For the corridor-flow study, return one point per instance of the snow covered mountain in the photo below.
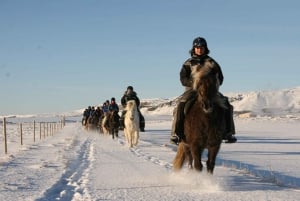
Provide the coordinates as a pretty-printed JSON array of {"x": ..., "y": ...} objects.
[
  {"x": 284, "y": 102},
  {"x": 278, "y": 102},
  {"x": 261, "y": 103}
]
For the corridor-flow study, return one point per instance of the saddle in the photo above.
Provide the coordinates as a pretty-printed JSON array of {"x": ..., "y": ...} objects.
[{"x": 190, "y": 97}]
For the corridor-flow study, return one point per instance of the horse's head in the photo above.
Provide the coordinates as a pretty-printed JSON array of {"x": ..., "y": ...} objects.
[{"x": 206, "y": 83}]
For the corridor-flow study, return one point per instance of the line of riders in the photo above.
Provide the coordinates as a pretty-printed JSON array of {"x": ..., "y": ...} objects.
[
  {"x": 199, "y": 54},
  {"x": 95, "y": 117}
]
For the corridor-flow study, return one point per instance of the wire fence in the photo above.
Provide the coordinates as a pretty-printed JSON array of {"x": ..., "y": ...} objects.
[{"x": 29, "y": 131}]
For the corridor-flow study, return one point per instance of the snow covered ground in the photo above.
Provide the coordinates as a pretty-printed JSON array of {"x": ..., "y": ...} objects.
[
  {"x": 78, "y": 165},
  {"x": 74, "y": 164}
]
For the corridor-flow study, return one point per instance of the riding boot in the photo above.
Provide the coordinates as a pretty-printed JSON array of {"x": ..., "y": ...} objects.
[
  {"x": 142, "y": 122},
  {"x": 178, "y": 135},
  {"x": 229, "y": 123},
  {"x": 142, "y": 126}
]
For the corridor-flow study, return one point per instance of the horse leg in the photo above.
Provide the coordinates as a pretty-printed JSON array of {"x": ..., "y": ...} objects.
[
  {"x": 131, "y": 138},
  {"x": 126, "y": 135},
  {"x": 111, "y": 131},
  {"x": 196, "y": 153},
  {"x": 117, "y": 132},
  {"x": 190, "y": 158},
  {"x": 212, "y": 155},
  {"x": 136, "y": 137}
]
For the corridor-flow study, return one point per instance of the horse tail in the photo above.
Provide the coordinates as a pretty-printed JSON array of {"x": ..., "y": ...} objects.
[{"x": 180, "y": 157}]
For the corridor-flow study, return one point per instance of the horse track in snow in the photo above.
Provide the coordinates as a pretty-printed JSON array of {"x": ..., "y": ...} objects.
[{"x": 71, "y": 182}]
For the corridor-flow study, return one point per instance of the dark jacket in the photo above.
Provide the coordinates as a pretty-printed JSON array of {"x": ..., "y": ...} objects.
[
  {"x": 186, "y": 70},
  {"x": 130, "y": 96},
  {"x": 114, "y": 107}
]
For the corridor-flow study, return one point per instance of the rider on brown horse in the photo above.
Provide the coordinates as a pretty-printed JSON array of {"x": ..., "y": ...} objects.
[
  {"x": 113, "y": 105},
  {"x": 199, "y": 53}
]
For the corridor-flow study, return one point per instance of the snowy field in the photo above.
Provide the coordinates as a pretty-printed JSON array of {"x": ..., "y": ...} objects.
[{"x": 74, "y": 164}]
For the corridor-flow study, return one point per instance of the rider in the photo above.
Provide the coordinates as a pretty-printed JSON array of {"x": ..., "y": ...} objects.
[
  {"x": 199, "y": 53},
  {"x": 105, "y": 110},
  {"x": 92, "y": 110},
  {"x": 113, "y": 105},
  {"x": 86, "y": 115},
  {"x": 98, "y": 112},
  {"x": 130, "y": 94},
  {"x": 105, "y": 107}
]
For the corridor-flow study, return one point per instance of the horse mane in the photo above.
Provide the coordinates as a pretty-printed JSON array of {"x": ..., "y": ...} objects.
[
  {"x": 130, "y": 104},
  {"x": 201, "y": 72}
]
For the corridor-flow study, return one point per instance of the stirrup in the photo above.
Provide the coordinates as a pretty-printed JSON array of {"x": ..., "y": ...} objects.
[
  {"x": 175, "y": 139},
  {"x": 231, "y": 139}
]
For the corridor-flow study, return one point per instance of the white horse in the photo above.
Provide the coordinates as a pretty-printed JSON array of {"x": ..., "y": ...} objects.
[
  {"x": 132, "y": 123},
  {"x": 104, "y": 125}
]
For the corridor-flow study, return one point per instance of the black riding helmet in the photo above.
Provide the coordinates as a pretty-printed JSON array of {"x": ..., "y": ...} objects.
[
  {"x": 129, "y": 88},
  {"x": 199, "y": 42}
]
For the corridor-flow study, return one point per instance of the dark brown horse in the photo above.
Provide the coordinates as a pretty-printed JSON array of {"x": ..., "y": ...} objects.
[
  {"x": 203, "y": 124},
  {"x": 114, "y": 123},
  {"x": 91, "y": 123}
]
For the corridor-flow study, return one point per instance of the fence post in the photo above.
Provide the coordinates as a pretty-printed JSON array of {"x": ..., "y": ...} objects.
[
  {"x": 51, "y": 129},
  {"x": 21, "y": 132},
  {"x": 44, "y": 130},
  {"x": 40, "y": 130},
  {"x": 33, "y": 130},
  {"x": 63, "y": 121},
  {"x": 5, "y": 137},
  {"x": 47, "y": 125}
]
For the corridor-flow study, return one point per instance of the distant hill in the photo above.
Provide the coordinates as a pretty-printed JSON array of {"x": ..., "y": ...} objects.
[
  {"x": 276, "y": 102},
  {"x": 261, "y": 103},
  {"x": 264, "y": 103}
]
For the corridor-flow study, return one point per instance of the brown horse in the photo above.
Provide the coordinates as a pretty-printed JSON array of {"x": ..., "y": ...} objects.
[
  {"x": 91, "y": 123},
  {"x": 203, "y": 124},
  {"x": 114, "y": 123}
]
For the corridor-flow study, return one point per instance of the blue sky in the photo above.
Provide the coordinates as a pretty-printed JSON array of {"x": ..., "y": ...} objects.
[{"x": 63, "y": 55}]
